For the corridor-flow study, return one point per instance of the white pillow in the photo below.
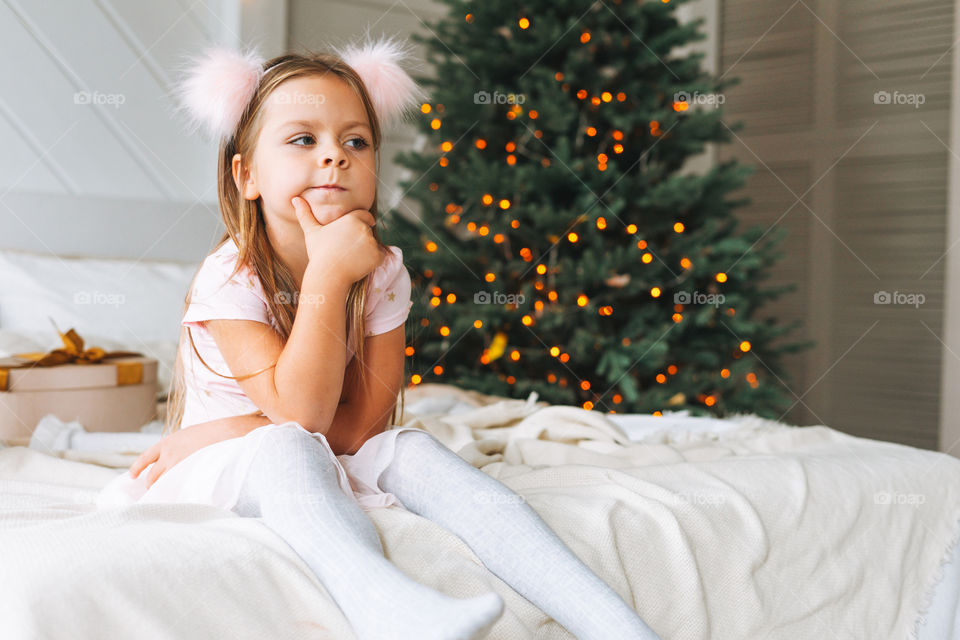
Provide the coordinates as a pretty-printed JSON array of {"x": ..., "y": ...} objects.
[
  {"x": 112, "y": 303},
  {"x": 129, "y": 301}
]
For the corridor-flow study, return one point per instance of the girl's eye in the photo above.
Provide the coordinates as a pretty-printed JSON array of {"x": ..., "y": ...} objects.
[{"x": 362, "y": 145}]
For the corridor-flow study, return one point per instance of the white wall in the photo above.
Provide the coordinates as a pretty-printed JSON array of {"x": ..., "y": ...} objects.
[
  {"x": 861, "y": 185},
  {"x": 949, "y": 440},
  {"x": 94, "y": 160}
]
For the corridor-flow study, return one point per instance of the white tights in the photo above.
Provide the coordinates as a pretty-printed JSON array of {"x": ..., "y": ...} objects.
[{"x": 292, "y": 484}]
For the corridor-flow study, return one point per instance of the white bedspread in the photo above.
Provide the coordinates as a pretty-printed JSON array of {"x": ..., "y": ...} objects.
[{"x": 760, "y": 531}]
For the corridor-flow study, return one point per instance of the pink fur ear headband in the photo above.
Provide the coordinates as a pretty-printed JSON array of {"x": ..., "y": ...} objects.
[{"x": 220, "y": 84}]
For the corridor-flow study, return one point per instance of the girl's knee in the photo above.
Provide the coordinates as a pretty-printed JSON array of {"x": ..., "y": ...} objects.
[
  {"x": 422, "y": 444},
  {"x": 291, "y": 461},
  {"x": 418, "y": 438},
  {"x": 287, "y": 433},
  {"x": 288, "y": 439}
]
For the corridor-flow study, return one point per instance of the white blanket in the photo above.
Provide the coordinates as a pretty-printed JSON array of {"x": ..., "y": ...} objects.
[{"x": 762, "y": 531}]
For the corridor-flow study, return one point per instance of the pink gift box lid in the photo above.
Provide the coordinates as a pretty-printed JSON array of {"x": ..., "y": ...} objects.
[{"x": 107, "y": 373}]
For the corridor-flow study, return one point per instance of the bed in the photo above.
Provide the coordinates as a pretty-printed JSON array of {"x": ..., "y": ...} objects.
[{"x": 719, "y": 529}]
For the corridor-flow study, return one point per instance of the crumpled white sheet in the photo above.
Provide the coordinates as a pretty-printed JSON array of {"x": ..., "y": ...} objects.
[{"x": 763, "y": 531}]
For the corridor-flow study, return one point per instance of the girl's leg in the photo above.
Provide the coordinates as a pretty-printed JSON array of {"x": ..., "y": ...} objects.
[
  {"x": 292, "y": 484},
  {"x": 509, "y": 537}
]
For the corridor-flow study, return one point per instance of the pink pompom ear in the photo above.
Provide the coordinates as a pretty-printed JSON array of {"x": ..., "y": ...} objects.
[
  {"x": 217, "y": 88},
  {"x": 392, "y": 90}
]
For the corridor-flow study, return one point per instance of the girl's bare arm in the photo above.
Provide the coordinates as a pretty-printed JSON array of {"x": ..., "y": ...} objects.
[
  {"x": 309, "y": 372},
  {"x": 307, "y": 380},
  {"x": 242, "y": 425},
  {"x": 173, "y": 448}
]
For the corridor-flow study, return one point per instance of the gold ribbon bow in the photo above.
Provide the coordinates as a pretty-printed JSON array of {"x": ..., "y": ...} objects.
[{"x": 73, "y": 352}]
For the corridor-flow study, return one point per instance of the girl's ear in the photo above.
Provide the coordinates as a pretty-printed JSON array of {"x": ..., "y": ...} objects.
[{"x": 242, "y": 177}]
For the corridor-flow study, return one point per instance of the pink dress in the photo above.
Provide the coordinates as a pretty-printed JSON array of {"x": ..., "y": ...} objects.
[{"x": 214, "y": 474}]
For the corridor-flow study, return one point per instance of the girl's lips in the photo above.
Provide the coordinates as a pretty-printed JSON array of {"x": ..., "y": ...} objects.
[{"x": 323, "y": 194}]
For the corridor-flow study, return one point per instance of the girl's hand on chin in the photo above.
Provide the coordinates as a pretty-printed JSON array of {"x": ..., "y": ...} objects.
[
  {"x": 346, "y": 245},
  {"x": 325, "y": 208},
  {"x": 324, "y": 213}
]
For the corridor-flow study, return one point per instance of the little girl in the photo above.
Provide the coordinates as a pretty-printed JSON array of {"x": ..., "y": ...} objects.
[{"x": 307, "y": 307}]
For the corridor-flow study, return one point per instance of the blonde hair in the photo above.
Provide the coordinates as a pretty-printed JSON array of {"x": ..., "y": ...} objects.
[{"x": 245, "y": 225}]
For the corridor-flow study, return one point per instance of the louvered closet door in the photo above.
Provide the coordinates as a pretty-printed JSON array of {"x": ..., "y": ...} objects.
[{"x": 861, "y": 186}]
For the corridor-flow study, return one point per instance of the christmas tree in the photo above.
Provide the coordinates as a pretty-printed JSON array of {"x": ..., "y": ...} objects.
[{"x": 560, "y": 248}]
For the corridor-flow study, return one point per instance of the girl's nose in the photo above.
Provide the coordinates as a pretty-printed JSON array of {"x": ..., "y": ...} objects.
[{"x": 333, "y": 157}]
